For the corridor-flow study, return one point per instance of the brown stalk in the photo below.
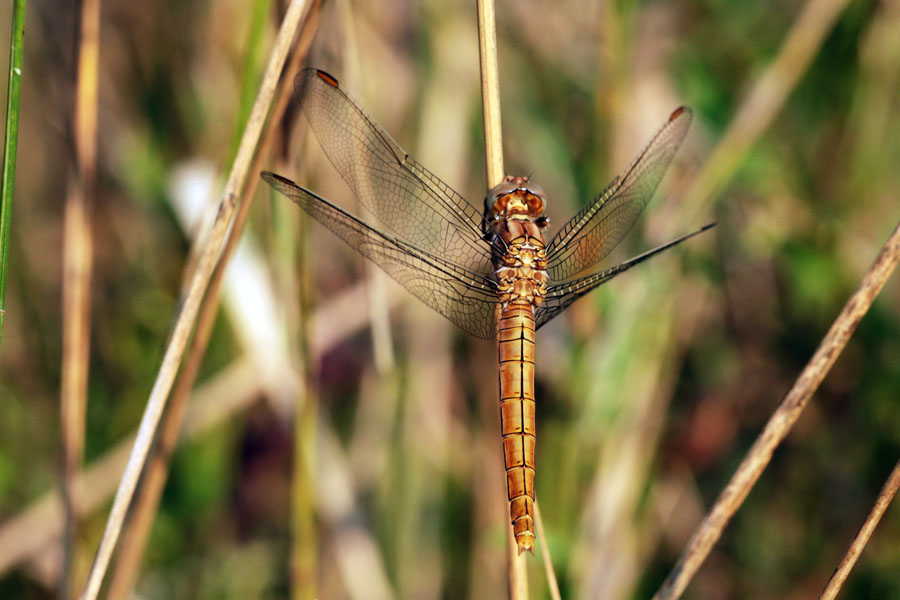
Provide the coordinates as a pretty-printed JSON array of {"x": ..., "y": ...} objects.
[
  {"x": 552, "y": 584},
  {"x": 862, "y": 538},
  {"x": 134, "y": 539},
  {"x": 77, "y": 259},
  {"x": 493, "y": 146},
  {"x": 765, "y": 99},
  {"x": 191, "y": 304},
  {"x": 782, "y": 420}
]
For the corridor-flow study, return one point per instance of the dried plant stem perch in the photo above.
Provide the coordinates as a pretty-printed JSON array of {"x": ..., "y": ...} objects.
[
  {"x": 552, "y": 584},
  {"x": 490, "y": 92},
  {"x": 782, "y": 420},
  {"x": 862, "y": 538},
  {"x": 493, "y": 146},
  {"x": 191, "y": 305}
]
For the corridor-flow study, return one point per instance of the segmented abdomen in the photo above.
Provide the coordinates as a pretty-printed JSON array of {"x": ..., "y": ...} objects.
[{"x": 516, "y": 350}]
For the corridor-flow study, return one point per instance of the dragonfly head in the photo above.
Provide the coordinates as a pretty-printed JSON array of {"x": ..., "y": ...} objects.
[{"x": 515, "y": 198}]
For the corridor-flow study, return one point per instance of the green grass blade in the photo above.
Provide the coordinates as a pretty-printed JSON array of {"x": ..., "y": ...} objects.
[{"x": 16, "y": 47}]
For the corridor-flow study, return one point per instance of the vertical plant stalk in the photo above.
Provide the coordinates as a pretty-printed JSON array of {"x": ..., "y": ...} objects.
[
  {"x": 782, "y": 420},
  {"x": 493, "y": 146},
  {"x": 77, "y": 267},
  {"x": 191, "y": 304},
  {"x": 552, "y": 584},
  {"x": 862, "y": 538},
  {"x": 146, "y": 504},
  {"x": 490, "y": 92},
  {"x": 10, "y": 144}
]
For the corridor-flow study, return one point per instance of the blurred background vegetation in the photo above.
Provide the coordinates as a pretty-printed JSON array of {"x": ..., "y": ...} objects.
[{"x": 650, "y": 390}]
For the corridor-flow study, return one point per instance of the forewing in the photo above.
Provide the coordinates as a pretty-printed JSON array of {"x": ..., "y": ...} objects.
[
  {"x": 597, "y": 228},
  {"x": 560, "y": 295},
  {"x": 403, "y": 195},
  {"x": 467, "y": 298}
]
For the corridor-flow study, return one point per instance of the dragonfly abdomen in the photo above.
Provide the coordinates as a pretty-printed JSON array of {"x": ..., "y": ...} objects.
[{"x": 517, "y": 407}]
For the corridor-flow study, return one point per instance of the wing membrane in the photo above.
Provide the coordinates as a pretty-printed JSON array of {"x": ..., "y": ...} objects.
[
  {"x": 561, "y": 295},
  {"x": 406, "y": 197},
  {"x": 467, "y": 298},
  {"x": 597, "y": 228}
]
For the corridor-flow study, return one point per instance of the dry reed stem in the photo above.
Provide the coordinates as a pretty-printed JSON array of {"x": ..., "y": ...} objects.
[
  {"x": 191, "y": 305},
  {"x": 862, "y": 538},
  {"x": 765, "y": 99},
  {"x": 493, "y": 146},
  {"x": 552, "y": 584},
  {"x": 490, "y": 92},
  {"x": 146, "y": 503},
  {"x": 782, "y": 420},
  {"x": 77, "y": 259},
  {"x": 40, "y": 525}
]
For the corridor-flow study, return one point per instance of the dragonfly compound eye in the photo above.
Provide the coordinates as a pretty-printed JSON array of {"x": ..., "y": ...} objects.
[{"x": 535, "y": 204}]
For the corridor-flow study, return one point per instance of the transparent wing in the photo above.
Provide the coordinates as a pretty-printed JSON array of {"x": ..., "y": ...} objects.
[
  {"x": 597, "y": 228},
  {"x": 561, "y": 295},
  {"x": 403, "y": 195},
  {"x": 467, "y": 298}
]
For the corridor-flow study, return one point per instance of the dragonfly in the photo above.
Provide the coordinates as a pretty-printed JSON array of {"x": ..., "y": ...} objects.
[{"x": 495, "y": 273}]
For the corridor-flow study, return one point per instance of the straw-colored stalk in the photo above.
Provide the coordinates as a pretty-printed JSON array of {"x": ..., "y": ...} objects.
[
  {"x": 782, "y": 420},
  {"x": 191, "y": 304},
  {"x": 862, "y": 538},
  {"x": 493, "y": 146},
  {"x": 77, "y": 261},
  {"x": 146, "y": 503}
]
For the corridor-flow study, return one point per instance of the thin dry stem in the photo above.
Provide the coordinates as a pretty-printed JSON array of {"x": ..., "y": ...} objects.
[
  {"x": 552, "y": 584},
  {"x": 765, "y": 99},
  {"x": 493, "y": 145},
  {"x": 782, "y": 420},
  {"x": 77, "y": 259},
  {"x": 518, "y": 577},
  {"x": 862, "y": 538},
  {"x": 191, "y": 306},
  {"x": 490, "y": 92},
  {"x": 147, "y": 501}
]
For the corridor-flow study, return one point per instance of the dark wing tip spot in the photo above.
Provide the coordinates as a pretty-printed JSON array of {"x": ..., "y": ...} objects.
[
  {"x": 679, "y": 111},
  {"x": 327, "y": 78}
]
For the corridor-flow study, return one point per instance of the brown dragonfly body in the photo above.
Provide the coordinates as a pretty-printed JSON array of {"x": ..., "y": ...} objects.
[{"x": 492, "y": 273}]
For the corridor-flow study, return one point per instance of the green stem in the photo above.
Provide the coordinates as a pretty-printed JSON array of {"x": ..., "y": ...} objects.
[{"x": 8, "y": 183}]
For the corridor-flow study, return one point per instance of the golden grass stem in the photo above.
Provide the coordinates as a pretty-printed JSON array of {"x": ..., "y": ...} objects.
[
  {"x": 490, "y": 92},
  {"x": 493, "y": 145},
  {"x": 191, "y": 304},
  {"x": 77, "y": 267},
  {"x": 546, "y": 559},
  {"x": 147, "y": 501},
  {"x": 782, "y": 420},
  {"x": 765, "y": 99},
  {"x": 862, "y": 538}
]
